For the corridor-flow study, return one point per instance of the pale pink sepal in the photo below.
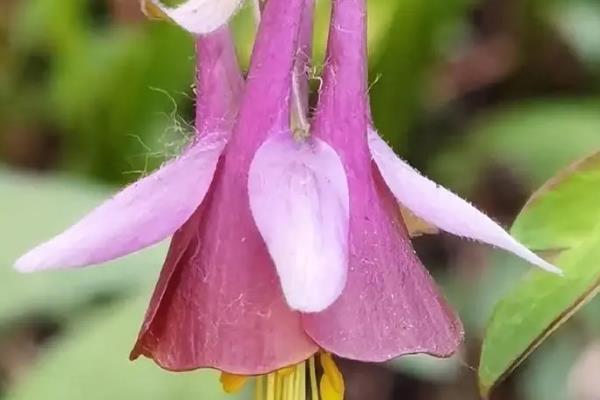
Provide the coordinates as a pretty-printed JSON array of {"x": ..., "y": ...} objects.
[
  {"x": 195, "y": 16},
  {"x": 442, "y": 208},
  {"x": 299, "y": 200},
  {"x": 141, "y": 215}
]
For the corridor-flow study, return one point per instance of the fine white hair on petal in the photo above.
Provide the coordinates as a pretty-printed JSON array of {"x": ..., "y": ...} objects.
[
  {"x": 299, "y": 199},
  {"x": 441, "y": 207},
  {"x": 195, "y": 16},
  {"x": 139, "y": 216}
]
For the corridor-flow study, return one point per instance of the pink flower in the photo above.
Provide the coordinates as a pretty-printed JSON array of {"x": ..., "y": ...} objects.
[{"x": 284, "y": 243}]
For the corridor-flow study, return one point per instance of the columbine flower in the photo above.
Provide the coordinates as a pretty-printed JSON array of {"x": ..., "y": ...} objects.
[{"x": 285, "y": 244}]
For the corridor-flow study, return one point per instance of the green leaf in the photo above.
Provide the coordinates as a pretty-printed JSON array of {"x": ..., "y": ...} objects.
[
  {"x": 535, "y": 308},
  {"x": 565, "y": 211},
  {"x": 92, "y": 364},
  {"x": 35, "y": 209},
  {"x": 563, "y": 215}
]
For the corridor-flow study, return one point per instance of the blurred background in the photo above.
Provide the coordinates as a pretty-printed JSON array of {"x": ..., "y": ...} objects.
[{"x": 488, "y": 97}]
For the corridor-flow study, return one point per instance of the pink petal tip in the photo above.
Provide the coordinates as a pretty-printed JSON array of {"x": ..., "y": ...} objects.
[{"x": 141, "y": 215}]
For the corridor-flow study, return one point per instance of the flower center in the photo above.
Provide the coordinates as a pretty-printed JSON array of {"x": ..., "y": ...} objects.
[{"x": 294, "y": 383}]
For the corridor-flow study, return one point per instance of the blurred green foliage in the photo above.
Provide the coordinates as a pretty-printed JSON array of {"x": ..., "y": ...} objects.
[
  {"x": 91, "y": 92},
  {"x": 98, "y": 374},
  {"x": 534, "y": 139},
  {"x": 90, "y": 359},
  {"x": 52, "y": 203},
  {"x": 111, "y": 91}
]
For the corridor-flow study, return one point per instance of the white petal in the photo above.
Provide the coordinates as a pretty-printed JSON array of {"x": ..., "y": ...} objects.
[
  {"x": 442, "y": 208},
  {"x": 300, "y": 203},
  {"x": 195, "y": 16}
]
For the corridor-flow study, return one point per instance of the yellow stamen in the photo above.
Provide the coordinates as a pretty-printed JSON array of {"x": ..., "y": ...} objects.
[
  {"x": 277, "y": 386},
  {"x": 260, "y": 387},
  {"x": 300, "y": 381},
  {"x": 291, "y": 383},
  {"x": 286, "y": 371},
  {"x": 332, "y": 374},
  {"x": 327, "y": 390},
  {"x": 314, "y": 390},
  {"x": 232, "y": 383},
  {"x": 270, "y": 387}
]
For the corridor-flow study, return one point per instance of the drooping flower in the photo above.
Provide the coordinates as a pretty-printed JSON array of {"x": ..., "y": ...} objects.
[{"x": 285, "y": 243}]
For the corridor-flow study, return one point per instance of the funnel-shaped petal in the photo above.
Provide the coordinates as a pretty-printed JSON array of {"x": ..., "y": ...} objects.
[
  {"x": 442, "y": 208},
  {"x": 143, "y": 214},
  {"x": 195, "y": 16},
  {"x": 299, "y": 200},
  {"x": 390, "y": 305},
  {"x": 218, "y": 302}
]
